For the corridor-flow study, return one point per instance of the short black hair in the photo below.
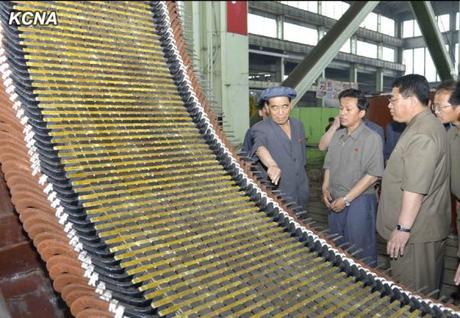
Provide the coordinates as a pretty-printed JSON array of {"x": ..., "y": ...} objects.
[
  {"x": 448, "y": 86},
  {"x": 413, "y": 85},
  {"x": 331, "y": 119},
  {"x": 363, "y": 103},
  {"x": 454, "y": 99}
]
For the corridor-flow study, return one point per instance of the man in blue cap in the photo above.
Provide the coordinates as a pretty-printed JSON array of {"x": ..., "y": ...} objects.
[{"x": 279, "y": 143}]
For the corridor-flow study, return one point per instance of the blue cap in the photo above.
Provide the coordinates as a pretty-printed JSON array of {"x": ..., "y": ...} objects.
[{"x": 276, "y": 92}]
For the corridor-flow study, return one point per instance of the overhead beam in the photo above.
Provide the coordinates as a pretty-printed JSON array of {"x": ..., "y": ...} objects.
[
  {"x": 433, "y": 38},
  {"x": 307, "y": 71}
]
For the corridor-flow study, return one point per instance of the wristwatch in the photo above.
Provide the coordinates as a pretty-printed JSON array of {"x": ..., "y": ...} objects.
[
  {"x": 402, "y": 229},
  {"x": 347, "y": 203}
]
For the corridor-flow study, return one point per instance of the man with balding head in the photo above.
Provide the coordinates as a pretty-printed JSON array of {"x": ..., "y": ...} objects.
[{"x": 279, "y": 143}]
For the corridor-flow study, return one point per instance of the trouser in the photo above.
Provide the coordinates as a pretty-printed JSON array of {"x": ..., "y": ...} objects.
[
  {"x": 356, "y": 225},
  {"x": 421, "y": 266}
]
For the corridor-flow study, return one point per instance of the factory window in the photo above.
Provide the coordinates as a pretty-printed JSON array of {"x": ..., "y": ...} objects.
[
  {"x": 366, "y": 49},
  {"x": 334, "y": 9},
  {"x": 311, "y": 6},
  {"x": 370, "y": 22},
  {"x": 408, "y": 29},
  {"x": 430, "y": 69},
  {"x": 261, "y": 25},
  {"x": 346, "y": 47},
  {"x": 387, "y": 26},
  {"x": 417, "y": 31},
  {"x": 408, "y": 60},
  {"x": 300, "y": 34},
  {"x": 411, "y": 29},
  {"x": 443, "y": 22},
  {"x": 419, "y": 61},
  {"x": 424, "y": 63},
  {"x": 388, "y": 54}
]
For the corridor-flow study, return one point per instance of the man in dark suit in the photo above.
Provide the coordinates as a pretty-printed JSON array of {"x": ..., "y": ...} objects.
[{"x": 279, "y": 143}]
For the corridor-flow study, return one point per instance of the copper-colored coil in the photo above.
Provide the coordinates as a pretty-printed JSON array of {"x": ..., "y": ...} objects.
[
  {"x": 24, "y": 174},
  {"x": 87, "y": 302},
  {"x": 35, "y": 228},
  {"x": 31, "y": 210},
  {"x": 52, "y": 247},
  {"x": 12, "y": 131},
  {"x": 7, "y": 125},
  {"x": 58, "y": 265},
  {"x": 6, "y": 111},
  {"x": 20, "y": 167},
  {"x": 25, "y": 185},
  {"x": 17, "y": 158},
  {"x": 73, "y": 291},
  {"x": 29, "y": 221},
  {"x": 11, "y": 168},
  {"x": 21, "y": 164},
  {"x": 56, "y": 236},
  {"x": 67, "y": 279},
  {"x": 63, "y": 259},
  {"x": 25, "y": 202},
  {"x": 14, "y": 142},
  {"x": 9, "y": 121},
  {"x": 12, "y": 135},
  {"x": 94, "y": 313},
  {"x": 41, "y": 214},
  {"x": 59, "y": 269},
  {"x": 34, "y": 211}
]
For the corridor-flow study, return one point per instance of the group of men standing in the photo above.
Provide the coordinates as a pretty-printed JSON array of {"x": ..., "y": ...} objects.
[{"x": 413, "y": 211}]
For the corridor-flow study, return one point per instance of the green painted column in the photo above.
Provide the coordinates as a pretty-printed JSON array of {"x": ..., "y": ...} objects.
[
  {"x": 353, "y": 77},
  {"x": 433, "y": 38}
]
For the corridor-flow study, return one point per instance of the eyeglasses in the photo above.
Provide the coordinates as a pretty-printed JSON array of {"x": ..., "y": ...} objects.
[
  {"x": 279, "y": 107},
  {"x": 437, "y": 108}
]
